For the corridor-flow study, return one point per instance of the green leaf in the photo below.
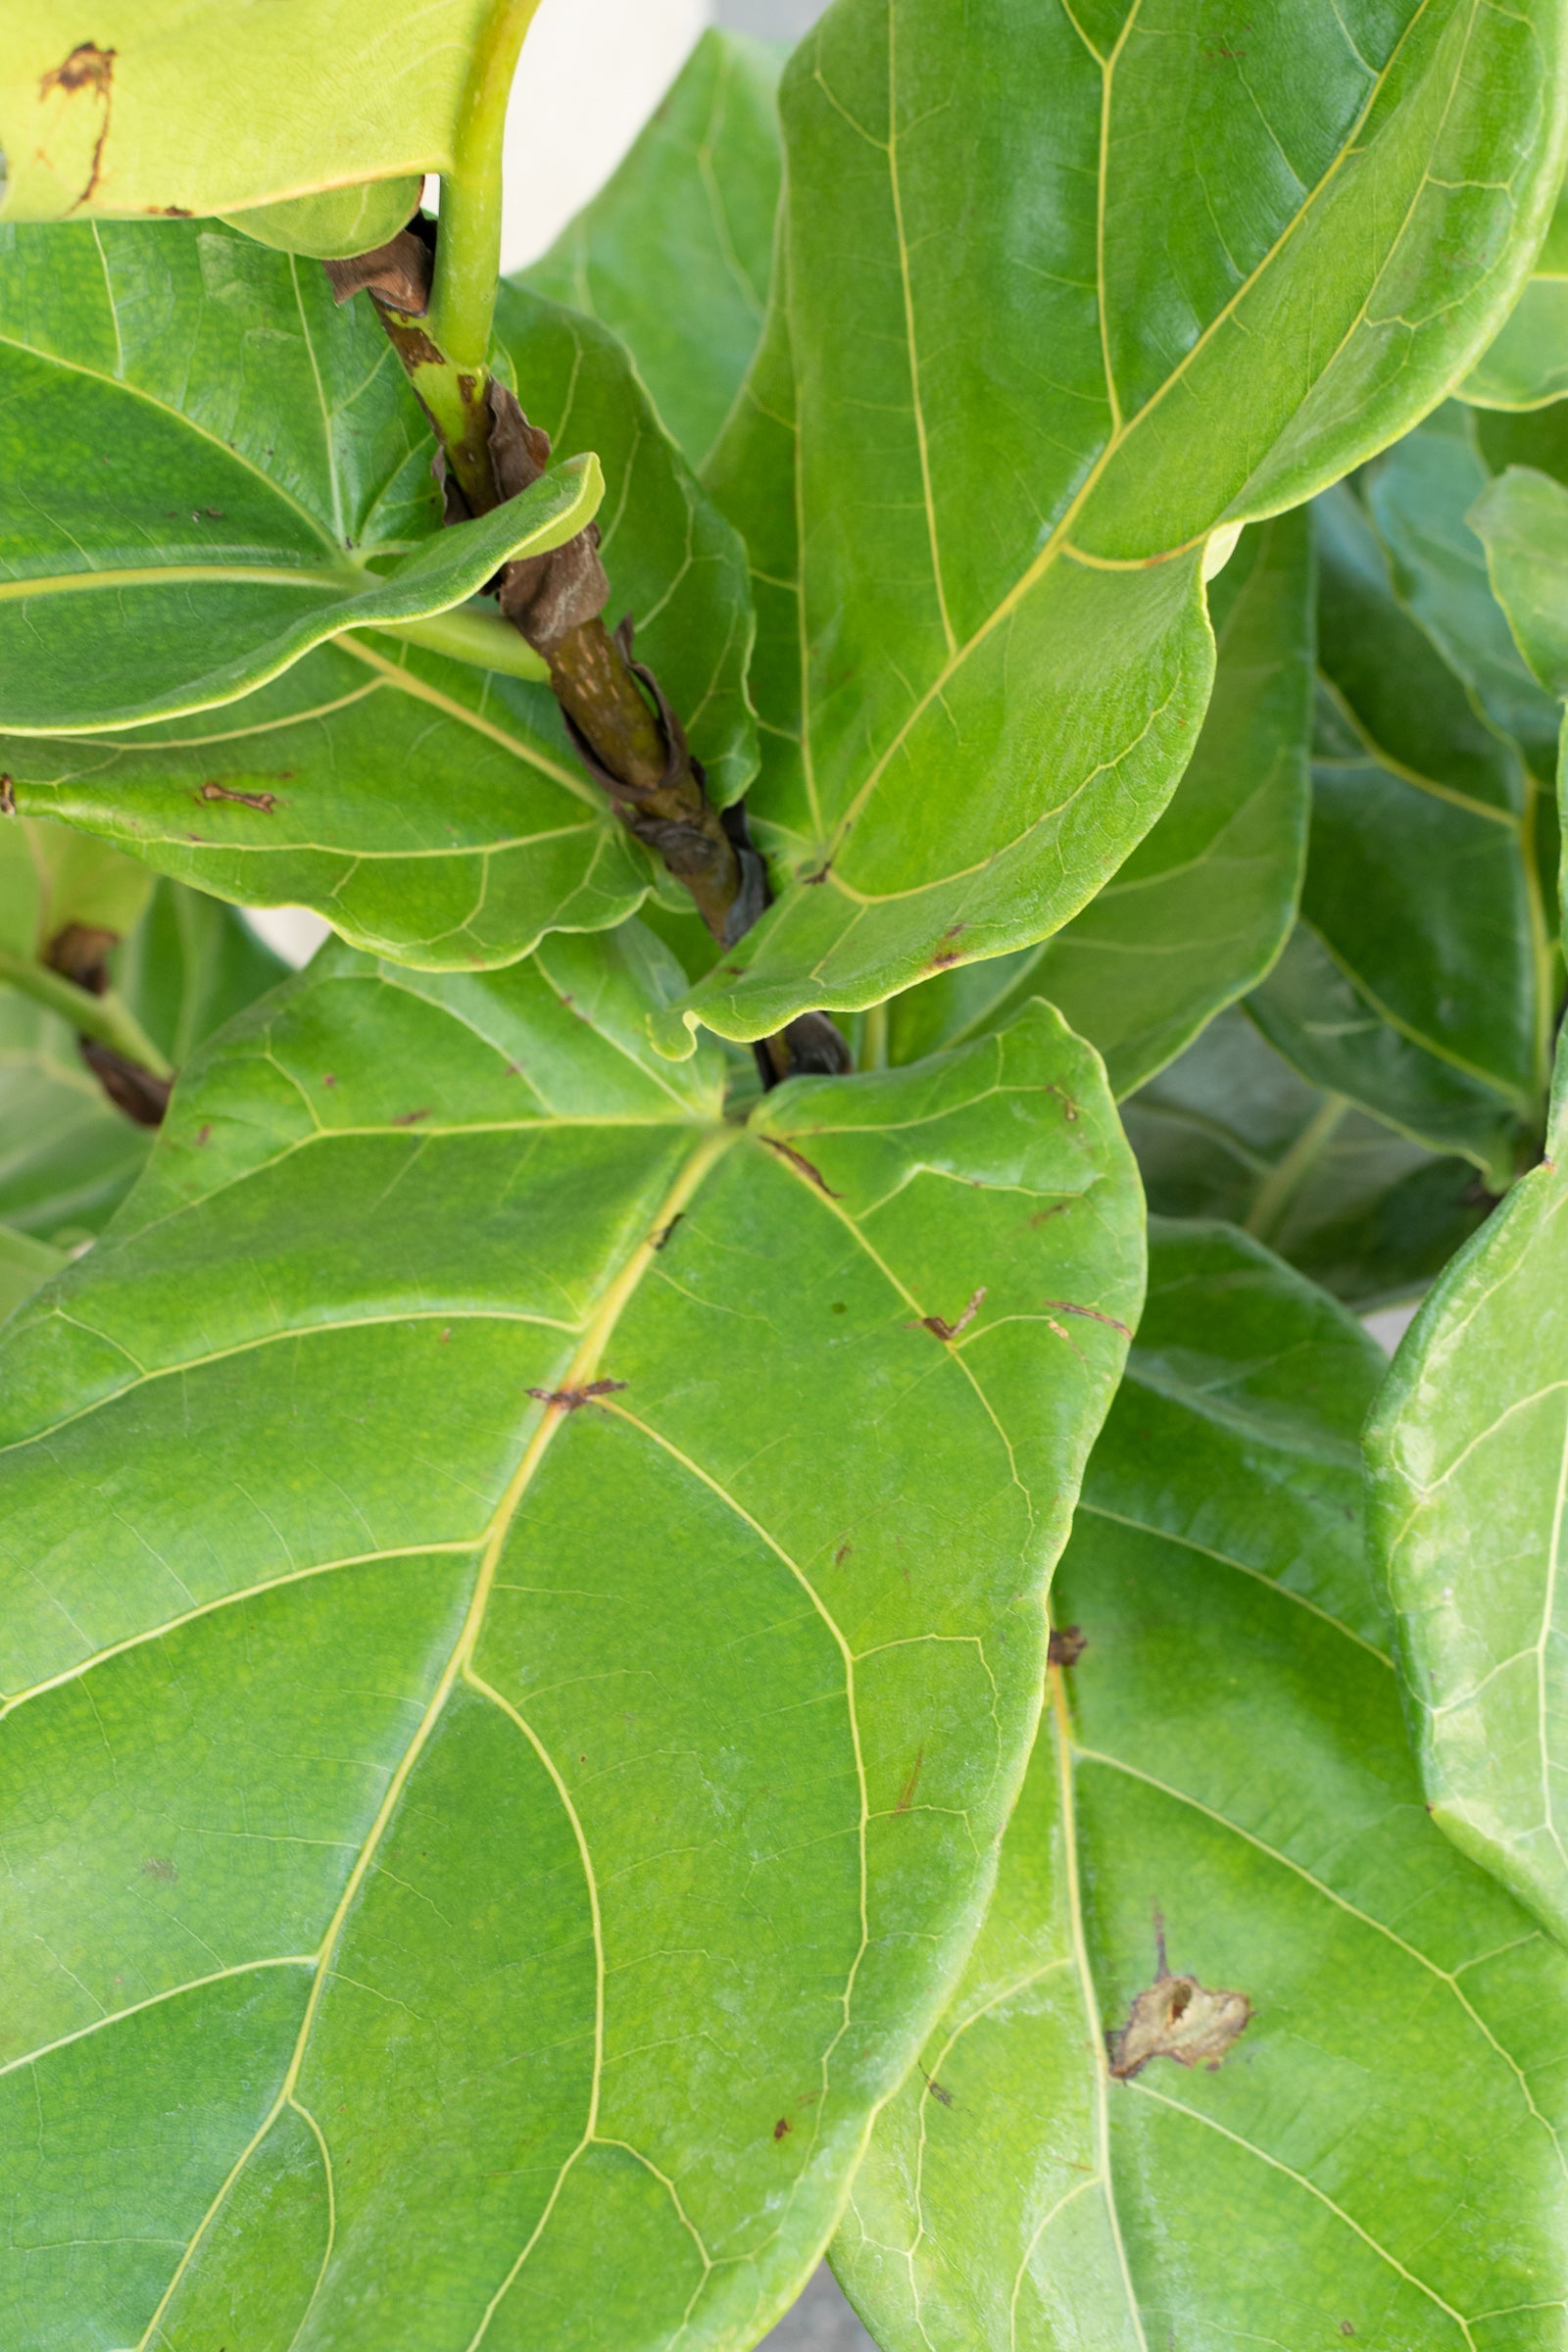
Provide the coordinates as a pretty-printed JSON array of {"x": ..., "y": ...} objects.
[
  {"x": 1522, "y": 520},
  {"x": 176, "y": 107},
  {"x": 1202, "y": 907},
  {"x": 175, "y": 528},
  {"x": 1525, "y": 366},
  {"x": 1423, "y": 980},
  {"x": 1466, "y": 1451},
  {"x": 675, "y": 253},
  {"x": 428, "y": 809},
  {"x": 24, "y": 1265},
  {"x": 507, "y": 1790},
  {"x": 51, "y": 877},
  {"x": 1231, "y": 1131},
  {"x": 1066, "y": 295},
  {"x": 335, "y": 224},
  {"x": 1378, "y": 2156}
]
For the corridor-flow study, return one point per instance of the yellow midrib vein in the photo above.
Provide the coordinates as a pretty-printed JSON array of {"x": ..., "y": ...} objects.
[{"x": 581, "y": 1370}]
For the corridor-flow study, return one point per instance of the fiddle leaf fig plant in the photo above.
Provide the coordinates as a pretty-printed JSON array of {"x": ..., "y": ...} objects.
[{"x": 543, "y": 1780}]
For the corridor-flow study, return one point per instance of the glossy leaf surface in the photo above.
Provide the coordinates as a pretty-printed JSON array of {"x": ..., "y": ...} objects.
[
  {"x": 1527, "y": 364},
  {"x": 550, "y": 1785},
  {"x": 1423, "y": 980},
  {"x": 1203, "y": 905},
  {"x": 25, "y": 1264},
  {"x": 426, "y": 807},
  {"x": 1231, "y": 1131},
  {"x": 206, "y": 474},
  {"x": 1467, "y": 1452},
  {"x": 338, "y": 222},
  {"x": 675, "y": 254},
  {"x": 1065, "y": 292},
  {"x": 178, "y": 107},
  {"x": 1522, "y": 520},
  {"x": 1377, "y": 2156}
]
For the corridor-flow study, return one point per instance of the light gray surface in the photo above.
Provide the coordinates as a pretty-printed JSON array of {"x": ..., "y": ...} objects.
[
  {"x": 770, "y": 19},
  {"x": 821, "y": 2321}
]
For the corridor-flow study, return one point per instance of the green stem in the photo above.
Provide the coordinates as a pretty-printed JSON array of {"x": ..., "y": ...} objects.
[
  {"x": 468, "y": 257},
  {"x": 874, "y": 1038},
  {"x": 106, "y": 1018},
  {"x": 482, "y": 639},
  {"x": 1275, "y": 1193}
]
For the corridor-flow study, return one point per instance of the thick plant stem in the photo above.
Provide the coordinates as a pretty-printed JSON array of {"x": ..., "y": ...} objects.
[{"x": 103, "y": 1018}]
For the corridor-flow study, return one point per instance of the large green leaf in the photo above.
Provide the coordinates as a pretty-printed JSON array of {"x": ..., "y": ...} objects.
[
  {"x": 1527, "y": 364},
  {"x": 1467, "y": 1452},
  {"x": 25, "y": 1264},
  {"x": 1379, "y": 2155},
  {"x": 1424, "y": 978},
  {"x": 428, "y": 809},
  {"x": 1231, "y": 1131},
  {"x": 676, "y": 251},
  {"x": 1521, "y": 519},
  {"x": 174, "y": 526},
  {"x": 1202, "y": 907},
  {"x": 180, "y": 106},
  {"x": 511, "y": 1758},
  {"x": 1066, "y": 292}
]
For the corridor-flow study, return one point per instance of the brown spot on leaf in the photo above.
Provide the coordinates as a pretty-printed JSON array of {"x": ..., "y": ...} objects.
[
  {"x": 8, "y": 796},
  {"x": 1042, "y": 1216},
  {"x": 937, "y": 2090},
  {"x": 211, "y": 790},
  {"x": 907, "y": 1792},
  {"x": 91, "y": 69},
  {"x": 1067, "y": 1646},
  {"x": 810, "y": 881},
  {"x": 569, "y": 1400},
  {"x": 204, "y": 1135},
  {"x": 1068, "y": 1105},
  {"x": 158, "y": 1866},
  {"x": 797, "y": 1160},
  {"x": 781, "y": 2126},
  {"x": 951, "y": 1330},
  {"x": 410, "y": 1118},
  {"x": 1177, "y": 2017},
  {"x": 1090, "y": 1314},
  {"x": 1346, "y": 2328},
  {"x": 662, "y": 1236},
  {"x": 841, "y": 1555}
]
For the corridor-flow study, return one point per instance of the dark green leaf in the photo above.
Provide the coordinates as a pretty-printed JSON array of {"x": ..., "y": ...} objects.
[
  {"x": 675, "y": 254},
  {"x": 1467, "y": 1452},
  {"x": 426, "y": 807},
  {"x": 1377, "y": 2156},
  {"x": 166, "y": 107},
  {"x": 1423, "y": 980},
  {"x": 1202, "y": 908},
  {"x": 1231, "y": 1131},
  {"x": 1066, "y": 295},
  {"x": 514, "y": 1755}
]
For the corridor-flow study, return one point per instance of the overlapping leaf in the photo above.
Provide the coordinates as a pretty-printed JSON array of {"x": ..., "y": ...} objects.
[
  {"x": 1423, "y": 980},
  {"x": 428, "y": 809},
  {"x": 1377, "y": 2155},
  {"x": 1065, "y": 293},
  {"x": 1202, "y": 907},
  {"x": 1232, "y": 1131},
  {"x": 676, "y": 251},
  {"x": 180, "y": 107},
  {"x": 206, "y": 474},
  {"x": 1525, "y": 366},
  {"x": 515, "y": 1758}
]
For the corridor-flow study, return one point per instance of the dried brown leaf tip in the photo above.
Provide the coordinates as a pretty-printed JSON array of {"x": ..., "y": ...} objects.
[{"x": 1177, "y": 2018}]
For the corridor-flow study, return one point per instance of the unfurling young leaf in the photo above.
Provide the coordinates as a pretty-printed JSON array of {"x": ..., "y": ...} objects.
[
  {"x": 514, "y": 1757},
  {"x": 1244, "y": 2053}
]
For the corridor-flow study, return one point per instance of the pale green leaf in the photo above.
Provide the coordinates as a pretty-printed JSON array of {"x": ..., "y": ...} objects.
[
  {"x": 1231, "y": 1131},
  {"x": 1423, "y": 981},
  {"x": 676, "y": 251},
  {"x": 1202, "y": 908},
  {"x": 428, "y": 809},
  {"x": 1468, "y": 1451},
  {"x": 1379, "y": 2156},
  {"x": 478, "y": 1861},
  {"x": 337, "y": 222},
  {"x": 180, "y": 106},
  {"x": 1521, "y": 519},
  {"x": 1525, "y": 366},
  {"x": 1065, "y": 296},
  {"x": 25, "y": 1264}
]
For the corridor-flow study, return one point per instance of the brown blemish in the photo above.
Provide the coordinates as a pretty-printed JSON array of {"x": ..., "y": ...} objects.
[
  {"x": 662, "y": 1236},
  {"x": 211, "y": 790},
  {"x": 810, "y": 881},
  {"x": 907, "y": 1792},
  {"x": 570, "y": 1400},
  {"x": 1044, "y": 1216},
  {"x": 797, "y": 1160},
  {"x": 937, "y": 2090},
  {"x": 1090, "y": 1314},
  {"x": 951, "y": 1330},
  {"x": 781, "y": 2126},
  {"x": 1067, "y": 1646},
  {"x": 841, "y": 1555},
  {"x": 1069, "y": 1106},
  {"x": 204, "y": 1135},
  {"x": 410, "y": 1118},
  {"x": 8, "y": 796},
  {"x": 328, "y": 1078},
  {"x": 158, "y": 1866},
  {"x": 87, "y": 68},
  {"x": 1177, "y": 2017}
]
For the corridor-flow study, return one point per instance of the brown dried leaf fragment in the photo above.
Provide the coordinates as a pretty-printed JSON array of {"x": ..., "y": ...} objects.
[
  {"x": 568, "y": 1401},
  {"x": 1067, "y": 1646},
  {"x": 951, "y": 1330},
  {"x": 1177, "y": 2017},
  {"x": 211, "y": 790}
]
